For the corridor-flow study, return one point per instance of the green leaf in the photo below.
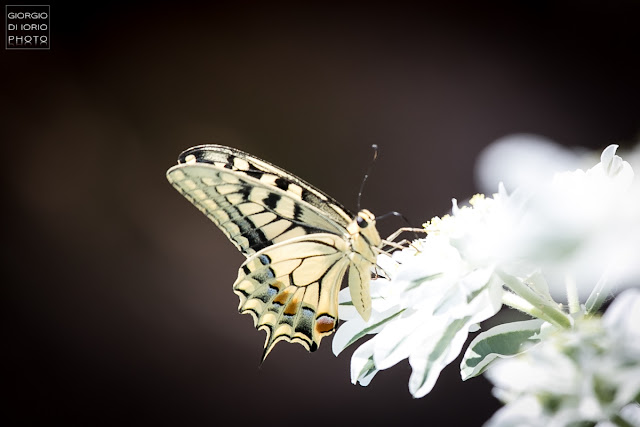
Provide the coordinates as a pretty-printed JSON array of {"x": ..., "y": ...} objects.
[
  {"x": 368, "y": 369},
  {"x": 537, "y": 282},
  {"x": 504, "y": 340},
  {"x": 424, "y": 377},
  {"x": 598, "y": 295},
  {"x": 368, "y": 329}
]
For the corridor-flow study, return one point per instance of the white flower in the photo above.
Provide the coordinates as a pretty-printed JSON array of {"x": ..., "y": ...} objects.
[
  {"x": 526, "y": 161},
  {"x": 578, "y": 225},
  {"x": 588, "y": 374},
  {"x": 584, "y": 224},
  {"x": 435, "y": 292}
]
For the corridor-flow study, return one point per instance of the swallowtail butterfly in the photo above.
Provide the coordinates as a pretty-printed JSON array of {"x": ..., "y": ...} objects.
[{"x": 299, "y": 242}]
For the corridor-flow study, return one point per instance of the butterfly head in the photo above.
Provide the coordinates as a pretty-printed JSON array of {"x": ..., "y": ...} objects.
[{"x": 364, "y": 225}]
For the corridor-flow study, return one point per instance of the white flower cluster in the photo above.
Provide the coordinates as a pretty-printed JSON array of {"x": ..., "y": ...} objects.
[
  {"x": 422, "y": 311},
  {"x": 574, "y": 234},
  {"x": 588, "y": 375}
]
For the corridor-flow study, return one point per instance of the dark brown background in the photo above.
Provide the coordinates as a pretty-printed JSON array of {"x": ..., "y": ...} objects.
[{"x": 117, "y": 304}]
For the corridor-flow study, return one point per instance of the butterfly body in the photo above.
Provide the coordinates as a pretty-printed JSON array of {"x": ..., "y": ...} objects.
[{"x": 299, "y": 242}]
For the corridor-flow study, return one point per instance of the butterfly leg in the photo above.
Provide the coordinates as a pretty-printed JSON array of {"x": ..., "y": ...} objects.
[
  {"x": 399, "y": 231},
  {"x": 376, "y": 274}
]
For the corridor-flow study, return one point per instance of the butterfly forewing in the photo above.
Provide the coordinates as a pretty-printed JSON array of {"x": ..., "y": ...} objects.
[
  {"x": 299, "y": 242},
  {"x": 250, "y": 191},
  {"x": 252, "y": 215}
]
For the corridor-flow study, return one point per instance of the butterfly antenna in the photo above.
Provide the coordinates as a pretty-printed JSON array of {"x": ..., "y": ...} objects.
[
  {"x": 394, "y": 213},
  {"x": 366, "y": 175}
]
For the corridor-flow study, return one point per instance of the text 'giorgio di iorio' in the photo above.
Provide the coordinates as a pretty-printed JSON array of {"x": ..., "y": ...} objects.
[{"x": 28, "y": 27}]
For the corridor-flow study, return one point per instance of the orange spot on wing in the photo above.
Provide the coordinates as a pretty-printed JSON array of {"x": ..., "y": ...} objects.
[
  {"x": 282, "y": 297},
  {"x": 325, "y": 324},
  {"x": 292, "y": 307}
]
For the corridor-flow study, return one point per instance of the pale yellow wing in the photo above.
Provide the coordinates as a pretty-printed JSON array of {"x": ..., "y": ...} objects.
[
  {"x": 253, "y": 202},
  {"x": 291, "y": 288}
]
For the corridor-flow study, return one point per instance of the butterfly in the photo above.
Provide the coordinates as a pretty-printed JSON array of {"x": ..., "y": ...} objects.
[{"x": 299, "y": 242}]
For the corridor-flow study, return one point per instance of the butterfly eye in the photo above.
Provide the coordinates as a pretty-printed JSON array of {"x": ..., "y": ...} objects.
[{"x": 362, "y": 223}]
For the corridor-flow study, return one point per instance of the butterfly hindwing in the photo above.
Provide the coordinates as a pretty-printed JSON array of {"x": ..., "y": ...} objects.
[{"x": 291, "y": 289}]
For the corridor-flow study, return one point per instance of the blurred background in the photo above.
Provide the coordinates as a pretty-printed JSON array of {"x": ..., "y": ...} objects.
[{"x": 117, "y": 298}]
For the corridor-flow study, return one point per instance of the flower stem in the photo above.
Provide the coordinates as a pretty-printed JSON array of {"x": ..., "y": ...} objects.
[
  {"x": 572, "y": 294},
  {"x": 521, "y": 304},
  {"x": 540, "y": 308}
]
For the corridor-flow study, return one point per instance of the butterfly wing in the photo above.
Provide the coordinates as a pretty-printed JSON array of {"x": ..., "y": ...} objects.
[
  {"x": 255, "y": 203},
  {"x": 291, "y": 288}
]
